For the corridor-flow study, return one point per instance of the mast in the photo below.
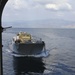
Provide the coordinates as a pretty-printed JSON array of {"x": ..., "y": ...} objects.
[{"x": 2, "y": 4}]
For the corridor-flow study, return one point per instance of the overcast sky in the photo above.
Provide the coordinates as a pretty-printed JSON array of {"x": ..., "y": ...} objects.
[{"x": 33, "y": 10}]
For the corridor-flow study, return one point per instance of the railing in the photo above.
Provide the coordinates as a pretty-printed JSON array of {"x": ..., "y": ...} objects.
[{"x": 36, "y": 39}]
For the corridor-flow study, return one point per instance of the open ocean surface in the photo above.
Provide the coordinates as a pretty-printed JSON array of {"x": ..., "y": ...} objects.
[{"x": 59, "y": 42}]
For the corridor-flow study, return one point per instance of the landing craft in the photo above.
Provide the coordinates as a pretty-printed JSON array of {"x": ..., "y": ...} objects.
[{"x": 26, "y": 44}]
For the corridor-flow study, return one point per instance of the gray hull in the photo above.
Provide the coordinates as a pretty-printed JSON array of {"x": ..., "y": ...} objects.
[{"x": 28, "y": 48}]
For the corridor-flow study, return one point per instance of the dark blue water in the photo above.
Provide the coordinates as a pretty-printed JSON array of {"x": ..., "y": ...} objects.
[{"x": 61, "y": 61}]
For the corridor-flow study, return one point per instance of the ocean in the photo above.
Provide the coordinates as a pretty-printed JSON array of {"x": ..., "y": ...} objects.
[{"x": 61, "y": 60}]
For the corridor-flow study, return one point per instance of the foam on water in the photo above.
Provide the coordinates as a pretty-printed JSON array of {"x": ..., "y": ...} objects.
[
  {"x": 46, "y": 72},
  {"x": 42, "y": 54}
]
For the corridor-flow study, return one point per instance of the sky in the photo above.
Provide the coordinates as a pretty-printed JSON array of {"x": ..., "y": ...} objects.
[{"x": 39, "y": 13}]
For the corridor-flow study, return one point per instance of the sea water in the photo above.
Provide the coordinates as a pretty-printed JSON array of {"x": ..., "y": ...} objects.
[{"x": 59, "y": 42}]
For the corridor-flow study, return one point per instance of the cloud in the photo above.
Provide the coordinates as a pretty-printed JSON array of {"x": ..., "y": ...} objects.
[
  {"x": 48, "y": 4},
  {"x": 69, "y": 6},
  {"x": 18, "y": 4},
  {"x": 51, "y": 6},
  {"x": 65, "y": 6},
  {"x": 23, "y": 4}
]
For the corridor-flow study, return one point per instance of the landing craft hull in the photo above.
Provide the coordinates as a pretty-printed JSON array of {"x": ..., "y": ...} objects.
[{"x": 28, "y": 48}]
